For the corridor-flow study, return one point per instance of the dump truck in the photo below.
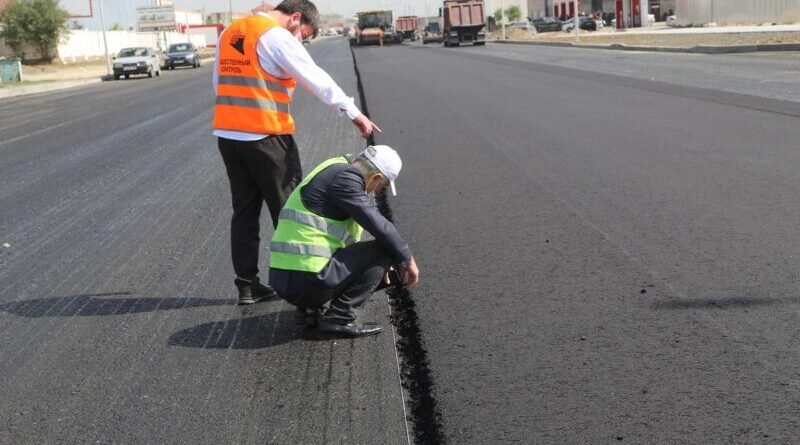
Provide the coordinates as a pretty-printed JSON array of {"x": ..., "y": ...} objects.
[
  {"x": 407, "y": 26},
  {"x": 375, "y": 28},
  {"x": 463, "y": 22}
]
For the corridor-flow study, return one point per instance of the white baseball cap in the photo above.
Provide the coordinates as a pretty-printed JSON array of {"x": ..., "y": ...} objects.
[{"x": 387, "y": 161}]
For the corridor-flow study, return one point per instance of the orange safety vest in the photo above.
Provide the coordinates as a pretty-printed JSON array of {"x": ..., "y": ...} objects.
[{"x": 249, "y": 99}]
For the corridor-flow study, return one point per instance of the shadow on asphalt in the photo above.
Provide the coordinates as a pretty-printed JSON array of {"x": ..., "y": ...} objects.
[
  {"x": 716, "y": 303},
  {"x": 90, "y": 305},
  {"x": 257, "y": 332}
]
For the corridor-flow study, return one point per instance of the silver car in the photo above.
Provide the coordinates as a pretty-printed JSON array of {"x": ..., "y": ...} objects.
[{"x": 139, "y": 60}]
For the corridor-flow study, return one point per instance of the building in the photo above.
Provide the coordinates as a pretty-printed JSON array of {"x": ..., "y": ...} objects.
[
  {"x": 547, "y": 8},
  {"x": 736, "y": 12},
  {"x": 225, "y": 17}
]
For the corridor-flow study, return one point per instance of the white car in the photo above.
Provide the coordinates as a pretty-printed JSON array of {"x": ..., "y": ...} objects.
[
  {"x": 136, "y": 61},
  {"x": 524, "y": 26},
  {"x": 672, "y": 21}
]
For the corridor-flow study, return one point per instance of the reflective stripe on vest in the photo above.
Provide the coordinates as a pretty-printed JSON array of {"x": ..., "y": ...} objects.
[
  {"x": 305, "y": 241},
  {"x": 300, "y": 249},
  {"x": 252, "y": 82},
  {"x": 248, "y": 98},
  {"x": 252, "y": 103},
  {"x": 317, "y": 223}
]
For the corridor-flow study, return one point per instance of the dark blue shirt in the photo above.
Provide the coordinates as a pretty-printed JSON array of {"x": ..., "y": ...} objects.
[{"x": 338, "y": 192}]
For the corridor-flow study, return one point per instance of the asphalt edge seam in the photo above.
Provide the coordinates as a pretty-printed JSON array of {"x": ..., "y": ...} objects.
[{"x": 415, "y": 374}]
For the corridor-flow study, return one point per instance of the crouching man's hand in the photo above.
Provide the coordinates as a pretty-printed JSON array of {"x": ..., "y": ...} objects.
[{"x": 409, "y": 274}]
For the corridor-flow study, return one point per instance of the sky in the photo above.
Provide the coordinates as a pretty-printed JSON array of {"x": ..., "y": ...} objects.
[{"x": 123, "y": 11}]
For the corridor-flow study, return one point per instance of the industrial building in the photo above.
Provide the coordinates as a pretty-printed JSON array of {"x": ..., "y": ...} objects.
[{"x": 737, "y": 12}]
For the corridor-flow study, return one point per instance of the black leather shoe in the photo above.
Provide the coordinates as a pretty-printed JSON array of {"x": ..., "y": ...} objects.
[
  {"x": 252, "y": 291},
  {"x": 352, "y": 329}
]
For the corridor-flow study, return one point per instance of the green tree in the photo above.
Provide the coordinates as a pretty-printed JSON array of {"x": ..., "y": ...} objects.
[
  {"x": 36, "y": 23},
  {"x": 498, "y": 16},
  {"x": 115, "y": 27},
  {"x": 513, "y": 13}
]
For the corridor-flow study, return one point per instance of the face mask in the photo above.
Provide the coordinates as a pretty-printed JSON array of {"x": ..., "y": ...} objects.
[{"x": 371, "y": 197}]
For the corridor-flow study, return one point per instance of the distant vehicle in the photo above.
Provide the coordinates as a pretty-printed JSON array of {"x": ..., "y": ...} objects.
[
  {"x": 546, "y": 24},
  {"x": 586, "y": 23},
  {"x": 139, "y": 60},
  {"x": 463, "y": 22},
  {"x": 182, "y": 54},
  {"x": 672, "y": 21},
  {"x": 375, "y": 28},
  {"x": 524, "y": 26},
  {"x": 407, "y": 26},
  {"x": 432, "y": 33}
]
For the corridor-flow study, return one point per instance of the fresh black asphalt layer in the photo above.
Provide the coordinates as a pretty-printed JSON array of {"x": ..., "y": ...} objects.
[
  {"x": 602, "y": 261},
  {"x": 118, "y": 315}
]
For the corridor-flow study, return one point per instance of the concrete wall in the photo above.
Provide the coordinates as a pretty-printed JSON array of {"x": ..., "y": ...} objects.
[
  {"x": 734, "y": 12},
  {"x": 81, "y": 45},
  {"x": 85, "y": 45}
]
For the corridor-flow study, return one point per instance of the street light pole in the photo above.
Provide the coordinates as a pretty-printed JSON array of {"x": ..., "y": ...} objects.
[{"x": 105, "y": 40}]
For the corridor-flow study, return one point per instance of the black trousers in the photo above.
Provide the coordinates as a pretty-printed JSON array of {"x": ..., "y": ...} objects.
[
  {"x": 347, "y": 281},
  {"x": 260, "y": 171}
]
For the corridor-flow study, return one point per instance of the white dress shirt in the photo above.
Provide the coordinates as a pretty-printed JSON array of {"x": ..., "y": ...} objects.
[{"x": 282, "y": 55}]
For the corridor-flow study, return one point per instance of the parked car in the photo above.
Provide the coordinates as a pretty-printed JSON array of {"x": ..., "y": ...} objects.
[
  {"x": 139, "y": 60},
  {"x": 586, "y": 23},
  {"x": 672, "y": 21},
  {"x": 546, "y": 24},
  {"x": 524, "y": 26},
  {"x": 182, "y": 54}
]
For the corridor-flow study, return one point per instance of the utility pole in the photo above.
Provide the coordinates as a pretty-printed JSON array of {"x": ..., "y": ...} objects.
[
  {"x": 712, "y": 11},
  {"x": 105, "y": 40},
  {"x": 230, "y": 12},
  {"x": 503, "y": 17},
  {"x": 577, "y": 19}
]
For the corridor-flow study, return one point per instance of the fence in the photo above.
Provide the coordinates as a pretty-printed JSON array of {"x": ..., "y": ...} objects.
[{"x": 737, "y": 12}]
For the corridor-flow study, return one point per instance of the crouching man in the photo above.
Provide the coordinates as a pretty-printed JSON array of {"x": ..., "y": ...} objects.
[{"x": 317, "y": 262}]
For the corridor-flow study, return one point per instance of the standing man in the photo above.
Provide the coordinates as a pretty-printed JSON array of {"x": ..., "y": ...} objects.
[
  {"x": 315, "y": 256},
  {"x": 260, "y": 60}
]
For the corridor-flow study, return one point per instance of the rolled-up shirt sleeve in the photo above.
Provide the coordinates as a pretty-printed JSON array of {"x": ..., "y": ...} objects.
[
  {"x": 288, "y": 53},
  {"x": 347, "y": 193}
]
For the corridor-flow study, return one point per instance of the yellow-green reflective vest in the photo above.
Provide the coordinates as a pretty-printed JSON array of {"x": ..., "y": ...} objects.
[{"x": 305, "y": 241}]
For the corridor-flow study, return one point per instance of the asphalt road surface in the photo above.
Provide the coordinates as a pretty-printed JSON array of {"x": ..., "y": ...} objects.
[
  {"x": 118, "y": 316},
  {"x": 606, "y": 257}
]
